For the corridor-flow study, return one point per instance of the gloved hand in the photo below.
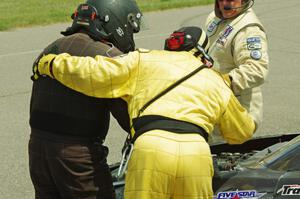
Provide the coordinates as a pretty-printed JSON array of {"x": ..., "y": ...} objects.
[{"x": 43, "y": 66}]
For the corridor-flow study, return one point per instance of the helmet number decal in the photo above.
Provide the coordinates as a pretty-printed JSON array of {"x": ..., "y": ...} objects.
[{"x": 120, "y": 31}]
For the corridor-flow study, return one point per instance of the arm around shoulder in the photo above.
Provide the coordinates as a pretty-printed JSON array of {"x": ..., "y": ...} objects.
[{"x": 101, "y": 76}]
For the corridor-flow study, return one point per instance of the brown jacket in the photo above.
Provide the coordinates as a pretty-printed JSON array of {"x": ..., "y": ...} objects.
[{"x": 58, "y": 109}]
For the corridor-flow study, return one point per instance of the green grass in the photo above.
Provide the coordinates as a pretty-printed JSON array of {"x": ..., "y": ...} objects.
[
  {"x": 23, "y": 13},
  {"x": 151, "y": 5}
]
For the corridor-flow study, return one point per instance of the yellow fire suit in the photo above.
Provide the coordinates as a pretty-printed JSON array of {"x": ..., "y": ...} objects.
[
  {"x": 239, "y": 48},
  {"x": 163, "y": 164}
]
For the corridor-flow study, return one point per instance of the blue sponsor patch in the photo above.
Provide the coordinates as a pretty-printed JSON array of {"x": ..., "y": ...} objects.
[
  {"x": 253, "y": 40},
  {"x": 223, "y": 38},
  {"x": 212, "y": 26},
  {"x": 253, "y": 43},
  {"x": 227, "y": 31}
]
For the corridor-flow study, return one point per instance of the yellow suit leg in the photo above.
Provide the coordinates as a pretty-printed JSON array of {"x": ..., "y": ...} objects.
[
  {"x": 167, "y": 165},
  {"x": 194, "y": 172}
]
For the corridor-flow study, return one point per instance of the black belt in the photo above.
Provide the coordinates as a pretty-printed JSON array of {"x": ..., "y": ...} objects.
[{"x": 152, "y": 122}]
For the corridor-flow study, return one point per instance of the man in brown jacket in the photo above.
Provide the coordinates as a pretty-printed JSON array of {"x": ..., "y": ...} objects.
[{"x": 66, "y": 156}]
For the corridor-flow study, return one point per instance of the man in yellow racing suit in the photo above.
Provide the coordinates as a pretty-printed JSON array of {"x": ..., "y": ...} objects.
[{"x": 171, "y": 158}]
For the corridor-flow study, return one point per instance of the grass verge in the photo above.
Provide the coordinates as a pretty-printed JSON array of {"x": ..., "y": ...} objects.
[{"x": 20, "y": 13}]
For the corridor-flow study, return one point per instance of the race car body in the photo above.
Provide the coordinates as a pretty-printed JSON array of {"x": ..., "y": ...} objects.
[{"x": 265, "y": 167}]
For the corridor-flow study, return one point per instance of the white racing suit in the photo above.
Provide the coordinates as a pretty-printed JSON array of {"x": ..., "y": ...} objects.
[{"x": 239, "y": 48}]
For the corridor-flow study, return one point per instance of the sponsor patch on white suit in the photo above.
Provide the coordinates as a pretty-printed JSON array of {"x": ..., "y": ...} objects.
[
  {"x": 255, "y": 54},
  {"x": 254, "y": 43}
]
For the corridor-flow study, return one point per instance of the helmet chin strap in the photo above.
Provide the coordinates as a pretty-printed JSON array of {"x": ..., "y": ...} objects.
[{"x": 205, "y": 57}]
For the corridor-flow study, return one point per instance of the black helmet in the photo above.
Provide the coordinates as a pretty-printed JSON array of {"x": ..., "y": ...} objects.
[
  {"x": 246, "y": 4},
  {"x": 111, "y": 20},
  {"x": 189, "y": 38}
]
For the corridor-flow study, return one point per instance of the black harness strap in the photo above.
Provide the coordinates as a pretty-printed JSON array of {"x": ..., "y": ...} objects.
[
  {"x": 156, "y": 122},
  {"x": 171, "y": 87},
  {"x": 130, "y": 138}
]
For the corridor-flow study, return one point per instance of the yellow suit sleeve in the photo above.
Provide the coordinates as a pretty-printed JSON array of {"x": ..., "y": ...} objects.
[
  {"x": 236, "y": 125},
  {"x": 101, "y": 77},
  {"x": 251, "y": 56}
]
